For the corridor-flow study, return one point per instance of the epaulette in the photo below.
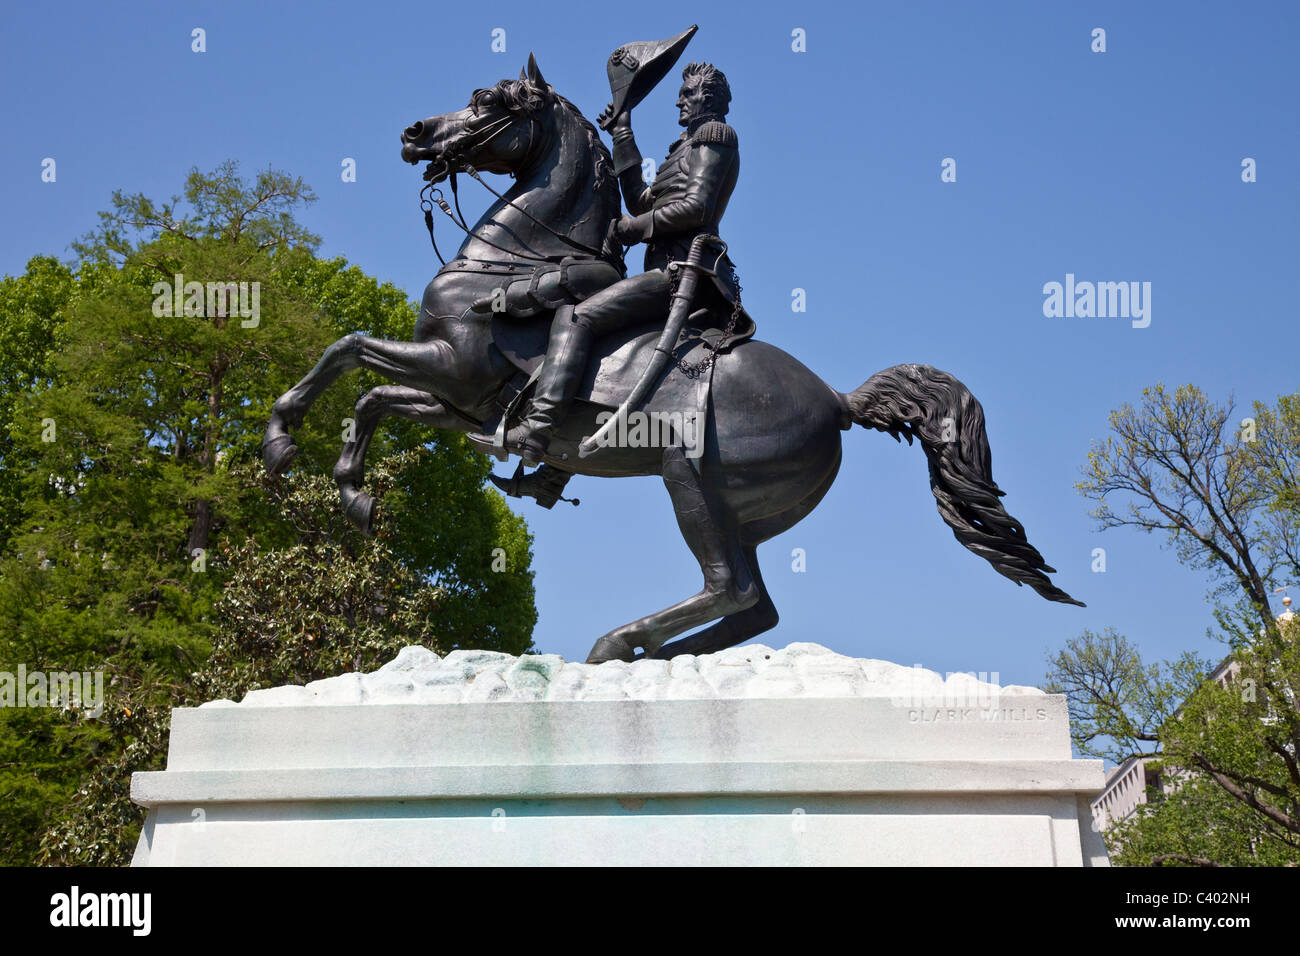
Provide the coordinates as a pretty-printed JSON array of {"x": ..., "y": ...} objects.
[{"x": 715, "y": 131}]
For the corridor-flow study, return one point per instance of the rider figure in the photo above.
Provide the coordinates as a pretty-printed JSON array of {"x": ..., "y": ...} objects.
[{"x": 688, "y": 197}]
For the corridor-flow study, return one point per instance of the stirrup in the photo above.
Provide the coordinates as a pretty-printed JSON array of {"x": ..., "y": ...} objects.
[
  {"x": 501, "y": 448},
  {"x": 531, "y": 449}
]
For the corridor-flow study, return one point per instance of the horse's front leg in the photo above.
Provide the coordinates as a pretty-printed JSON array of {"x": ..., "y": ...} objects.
[
  {"x": 376, "y": 405},
  {"x": 415, "y": 364}
]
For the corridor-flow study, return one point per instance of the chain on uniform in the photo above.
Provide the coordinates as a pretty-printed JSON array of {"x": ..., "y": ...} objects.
[{"x": 696, "y": 369}]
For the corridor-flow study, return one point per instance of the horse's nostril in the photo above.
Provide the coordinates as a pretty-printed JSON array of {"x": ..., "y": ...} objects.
[{"x": 413, "y": 132}]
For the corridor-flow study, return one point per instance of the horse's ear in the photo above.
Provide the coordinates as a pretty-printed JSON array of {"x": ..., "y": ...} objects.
[
  {"x": 534, "y": 73},
  {"x": 522, "y": 74}
]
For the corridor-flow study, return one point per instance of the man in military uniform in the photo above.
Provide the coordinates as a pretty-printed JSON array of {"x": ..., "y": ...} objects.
[{"x": 688, "y": 197}]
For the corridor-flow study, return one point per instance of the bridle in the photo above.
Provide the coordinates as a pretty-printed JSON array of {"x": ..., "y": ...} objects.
[{"x": 431, "y": 195}]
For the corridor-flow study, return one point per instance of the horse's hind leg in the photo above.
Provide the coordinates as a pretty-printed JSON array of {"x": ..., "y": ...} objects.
[
  {"x": 753, "y": 621},
  {"x": 734, "y": 628},
  {"x": 729, "y": 585},
  {"x": 376, "y": 405}
]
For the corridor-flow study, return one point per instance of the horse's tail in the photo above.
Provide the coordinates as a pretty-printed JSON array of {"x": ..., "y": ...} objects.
[{"x": 918, "y": 400}]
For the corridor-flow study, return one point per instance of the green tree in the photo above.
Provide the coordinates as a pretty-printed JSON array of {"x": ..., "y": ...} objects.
[
  {"x": 334, "y": 602},
  {"x": 1118, "y": 704},
  {"x": 127, "y": 530},
  {"x": 1223, "y": 492},
  {"x": 1182, "y": 468},
  {"x": 1197, "y": 824},
  {"x": 31, "y": 317}
]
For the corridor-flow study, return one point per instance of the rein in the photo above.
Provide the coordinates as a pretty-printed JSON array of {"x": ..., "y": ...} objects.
[
  {"x": 572, "y": 243},
  {"x": 434, "y": 195}
]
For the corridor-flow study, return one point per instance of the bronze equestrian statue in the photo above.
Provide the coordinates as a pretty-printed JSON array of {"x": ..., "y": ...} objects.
[{"x": 532, "y": 335}]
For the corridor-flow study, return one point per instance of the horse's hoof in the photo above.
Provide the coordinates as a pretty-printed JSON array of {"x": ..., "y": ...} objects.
[
  {"x": 361, "y": 513},
  {"x": 278, "y": 453},
  {"x": 611, "y": 649}
]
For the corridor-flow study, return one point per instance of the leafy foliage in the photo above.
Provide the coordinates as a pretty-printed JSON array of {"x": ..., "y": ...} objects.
[
  {"x": 138, "y": 534},
  {"x": 1117, "y": 703},
  {"x": 1227, "y": 750},
  {"x": 1196, "y": 824}
]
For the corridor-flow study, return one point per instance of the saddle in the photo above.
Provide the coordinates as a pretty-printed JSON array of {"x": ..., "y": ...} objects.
[
  {"x": 617, "y": 360},
  {"x": 522, "y": 331}
]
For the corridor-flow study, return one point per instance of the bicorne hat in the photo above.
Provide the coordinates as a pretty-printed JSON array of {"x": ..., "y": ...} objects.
[{"x": 635, "y": 68}]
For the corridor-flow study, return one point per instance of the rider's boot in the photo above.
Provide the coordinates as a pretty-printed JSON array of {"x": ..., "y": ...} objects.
[
  {"x": 566, "y": 360},
  {"x": 546, "y": 484}
]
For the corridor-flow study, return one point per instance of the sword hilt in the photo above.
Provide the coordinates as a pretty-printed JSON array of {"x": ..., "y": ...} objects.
[{"x": 682, "y": 298}]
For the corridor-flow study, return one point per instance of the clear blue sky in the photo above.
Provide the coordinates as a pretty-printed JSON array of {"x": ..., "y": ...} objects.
[{"x": 1116, "y": 166}]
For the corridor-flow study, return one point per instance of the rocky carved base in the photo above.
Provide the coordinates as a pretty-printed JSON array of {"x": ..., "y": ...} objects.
[{"x": 752, "y": 756}]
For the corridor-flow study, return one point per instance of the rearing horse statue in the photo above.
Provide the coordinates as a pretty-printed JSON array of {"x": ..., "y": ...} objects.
[{"x": 768, "y": 440}]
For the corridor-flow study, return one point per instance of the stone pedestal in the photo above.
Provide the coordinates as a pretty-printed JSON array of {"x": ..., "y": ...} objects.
[{"x": 747, "y": 757}]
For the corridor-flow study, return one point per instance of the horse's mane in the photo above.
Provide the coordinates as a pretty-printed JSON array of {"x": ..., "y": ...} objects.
[
  {"x": 604, "y": 161},
  {"x": 523, "y": 96}
]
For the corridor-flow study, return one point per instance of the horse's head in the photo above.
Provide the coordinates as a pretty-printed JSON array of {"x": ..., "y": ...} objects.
[
  {"x": 523, "y": 127},
  {"x": 498, "y": 132}
]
